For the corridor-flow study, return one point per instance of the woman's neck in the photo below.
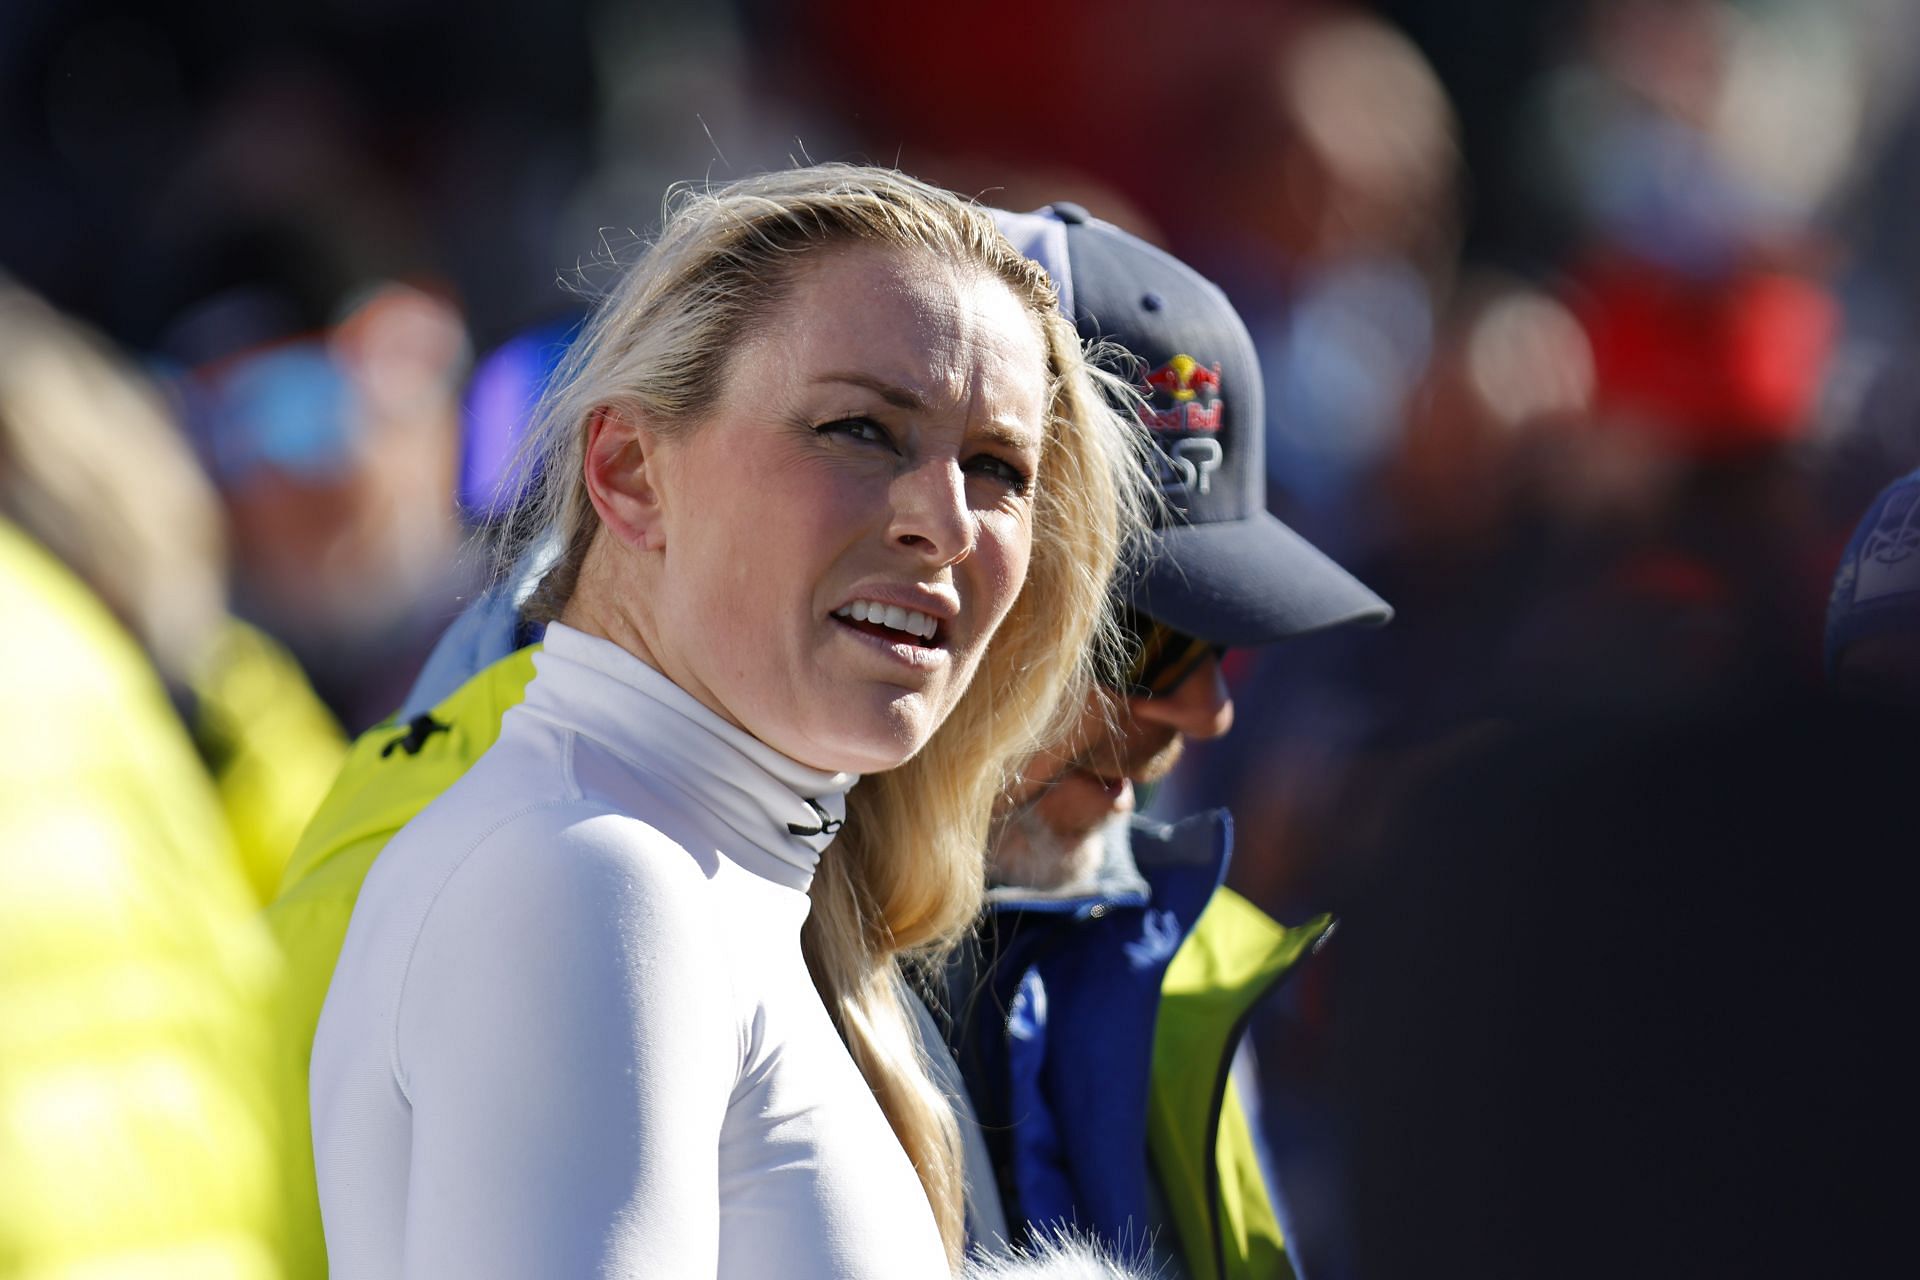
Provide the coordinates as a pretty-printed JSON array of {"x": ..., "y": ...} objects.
[{"x": 609, "y": 601}]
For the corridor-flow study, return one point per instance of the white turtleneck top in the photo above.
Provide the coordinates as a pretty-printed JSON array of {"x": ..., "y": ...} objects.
[{"x": 571, "y": 1032}]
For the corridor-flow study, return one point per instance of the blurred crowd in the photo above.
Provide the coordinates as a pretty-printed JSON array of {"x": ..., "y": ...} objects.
[{"x": 1588, "y": 330}]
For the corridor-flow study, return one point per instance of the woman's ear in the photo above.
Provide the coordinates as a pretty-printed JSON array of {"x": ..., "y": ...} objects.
[{"x": 620, "y": 464}]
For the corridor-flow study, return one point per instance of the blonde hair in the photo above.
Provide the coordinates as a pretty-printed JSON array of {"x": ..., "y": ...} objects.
[
  {"x": 904, "y": 879},
  {"x": 93, "y": 467}
]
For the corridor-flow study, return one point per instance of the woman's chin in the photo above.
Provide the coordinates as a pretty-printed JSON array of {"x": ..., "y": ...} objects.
[
  {"x": 871, "y": 739},
  {"x": 862, "y": 757}
]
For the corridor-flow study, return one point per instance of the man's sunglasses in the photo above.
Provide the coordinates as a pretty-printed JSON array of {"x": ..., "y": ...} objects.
[{"x": 1161, "y": 657}]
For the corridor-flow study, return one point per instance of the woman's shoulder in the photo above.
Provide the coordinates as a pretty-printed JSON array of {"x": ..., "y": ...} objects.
[
  {"x": 563, "y": 877},
  {"x": 573, "y": 840},
  {"x": 568, "y": 853}
]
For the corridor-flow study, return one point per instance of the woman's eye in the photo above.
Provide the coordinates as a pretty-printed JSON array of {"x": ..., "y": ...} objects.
[
  {"x": 860, "y": 428},
  {"x": 1000, "y": 469}
]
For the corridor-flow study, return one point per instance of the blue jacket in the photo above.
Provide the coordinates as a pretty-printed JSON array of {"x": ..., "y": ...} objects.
[{"x": 1055, "y": 1010}]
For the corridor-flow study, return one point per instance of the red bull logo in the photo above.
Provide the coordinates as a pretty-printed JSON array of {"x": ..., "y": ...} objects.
[
  {"x": 1186, "y": 397},
  {"x": 1184, "y": 379}
]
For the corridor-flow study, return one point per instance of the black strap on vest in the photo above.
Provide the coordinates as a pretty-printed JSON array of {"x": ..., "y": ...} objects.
[{"x": 419, "y": 729}]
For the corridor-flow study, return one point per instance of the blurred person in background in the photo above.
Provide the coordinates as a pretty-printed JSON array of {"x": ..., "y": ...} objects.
[
  {"x": 97, "y": 472},
  {"x": 135, "y": 1137},
  {"x": 323, "y": 392}
]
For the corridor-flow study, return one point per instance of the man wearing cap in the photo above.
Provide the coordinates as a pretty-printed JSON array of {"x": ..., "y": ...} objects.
[
  {"x": 1083, "y": 1039},
  {"x": 1097, "y": 1011}
]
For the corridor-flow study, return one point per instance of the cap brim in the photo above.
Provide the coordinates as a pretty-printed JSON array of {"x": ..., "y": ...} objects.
[{"x": 1248, "y": 582}]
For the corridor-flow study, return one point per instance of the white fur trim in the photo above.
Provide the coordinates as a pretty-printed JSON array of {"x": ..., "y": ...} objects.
[{"x": 1059, "y": 1257}]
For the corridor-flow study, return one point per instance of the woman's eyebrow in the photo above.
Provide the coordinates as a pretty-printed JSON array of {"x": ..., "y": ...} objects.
[
  {"x": 1009, "y": 437},
  {"x": 897, "y": 396}
]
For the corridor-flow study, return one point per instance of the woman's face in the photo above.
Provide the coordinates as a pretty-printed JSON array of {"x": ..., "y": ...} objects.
[{"x": 842, "y": 534}]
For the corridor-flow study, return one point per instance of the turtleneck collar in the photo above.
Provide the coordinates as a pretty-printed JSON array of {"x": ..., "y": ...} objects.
[{"x": 776, "y": 804}]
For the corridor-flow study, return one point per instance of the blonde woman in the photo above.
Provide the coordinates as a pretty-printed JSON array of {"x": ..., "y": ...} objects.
[{"x": 839, "y": 503}]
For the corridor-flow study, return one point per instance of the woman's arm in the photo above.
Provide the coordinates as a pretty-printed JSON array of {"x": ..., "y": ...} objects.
[{"x": 568, "y": 1041}]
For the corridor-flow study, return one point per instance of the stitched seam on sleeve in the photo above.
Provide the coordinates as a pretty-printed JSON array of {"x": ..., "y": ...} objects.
[{"x": 566, "y": 767}]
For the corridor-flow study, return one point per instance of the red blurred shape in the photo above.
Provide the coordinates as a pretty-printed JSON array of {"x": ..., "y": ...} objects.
[{"x": 1718, "y": 364}]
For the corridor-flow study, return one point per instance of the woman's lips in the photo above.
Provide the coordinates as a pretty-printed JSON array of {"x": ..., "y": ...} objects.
[
  {"x": 906, "y": 650},
  {"x": 892, "y": 635}
]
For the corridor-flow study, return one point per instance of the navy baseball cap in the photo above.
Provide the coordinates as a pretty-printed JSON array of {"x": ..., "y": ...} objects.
[{"x": 1222, "y": 568}]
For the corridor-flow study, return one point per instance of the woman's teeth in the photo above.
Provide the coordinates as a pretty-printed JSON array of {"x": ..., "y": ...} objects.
[{"x": 891, "y": 616}]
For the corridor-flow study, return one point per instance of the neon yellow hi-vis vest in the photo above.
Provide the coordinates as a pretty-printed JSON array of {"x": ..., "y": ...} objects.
[
  {"x": 392, "y": 772},
  {"x": 271, "y": 744},
  {"x": 1196, "y": 1127},
  {"x": 136, "y": 1136}
]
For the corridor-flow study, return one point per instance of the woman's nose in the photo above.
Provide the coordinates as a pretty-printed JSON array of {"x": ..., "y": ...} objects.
[{"x": 930, "y": 511}]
